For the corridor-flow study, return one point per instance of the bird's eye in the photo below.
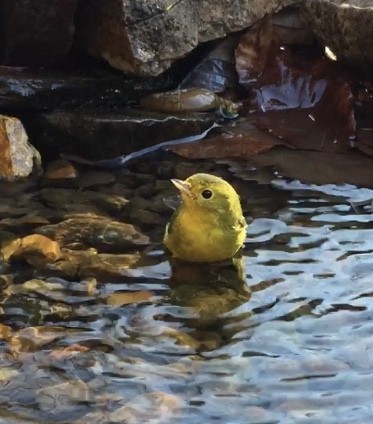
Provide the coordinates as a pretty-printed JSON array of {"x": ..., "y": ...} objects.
[{"x": 206, "y": 194}]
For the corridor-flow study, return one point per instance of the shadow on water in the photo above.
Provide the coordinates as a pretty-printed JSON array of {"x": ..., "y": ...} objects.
[{"x": 114, "y": 332}]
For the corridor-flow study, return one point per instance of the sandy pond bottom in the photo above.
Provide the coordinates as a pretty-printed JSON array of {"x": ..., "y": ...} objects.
[{"x": 283, "y": 336}]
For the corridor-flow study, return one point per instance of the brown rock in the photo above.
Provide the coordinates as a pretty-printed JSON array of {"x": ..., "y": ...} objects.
[
  {"x": 61, "y": 170},
  {"x": 17, "y": 155},
  {"x": 35, "y": 249},
  {"x": 128, "y": 297},
  {"x": 36, "y": 32},
  {"x": 106, "y": 265},
  {"x": 145, "y": 37}
]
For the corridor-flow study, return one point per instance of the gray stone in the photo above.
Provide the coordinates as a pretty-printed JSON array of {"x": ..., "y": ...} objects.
[
  {"x": 344, "y": 26},
  {"x": 93, "y": 87},
  {"x": 145, "y": 37}
]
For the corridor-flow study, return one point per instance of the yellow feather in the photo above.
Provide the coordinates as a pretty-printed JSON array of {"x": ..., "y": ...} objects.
[{"x": 209, "y": 225}]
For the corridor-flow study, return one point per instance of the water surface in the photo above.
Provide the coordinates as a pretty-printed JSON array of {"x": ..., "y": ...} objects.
[{"x": 287, "y": 338}]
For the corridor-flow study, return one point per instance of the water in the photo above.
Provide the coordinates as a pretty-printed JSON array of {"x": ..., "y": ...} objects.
[{"x": 288, "y": 341}]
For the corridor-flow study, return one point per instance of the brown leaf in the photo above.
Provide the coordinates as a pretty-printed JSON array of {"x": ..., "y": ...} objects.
[
  {"x": 296, "y": 93},
  {"x": 226, "y": 145}
]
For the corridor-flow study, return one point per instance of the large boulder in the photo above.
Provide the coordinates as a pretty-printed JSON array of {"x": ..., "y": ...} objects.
[
  {"x": 344, "y": 26},
  {"x": 35, "y": 32},
  {"x": 145, "y": 37}
]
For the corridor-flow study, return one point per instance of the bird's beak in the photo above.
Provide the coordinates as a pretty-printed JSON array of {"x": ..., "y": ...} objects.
[{"x": 183, "y": 186}]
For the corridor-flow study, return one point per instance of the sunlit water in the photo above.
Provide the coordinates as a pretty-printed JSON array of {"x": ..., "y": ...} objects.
[{"x": 296, "y": 348}]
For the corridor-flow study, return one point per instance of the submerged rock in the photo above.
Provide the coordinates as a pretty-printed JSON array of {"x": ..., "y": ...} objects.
[
  {"x": 101, "y": 233},
  {"x": 81, "y": 201},
  {"x": 89, "y": 263},
  {"x": 17, "y": 156},
  {"x": 61, "y": 170},
  {"x": 35, "y": 249}
]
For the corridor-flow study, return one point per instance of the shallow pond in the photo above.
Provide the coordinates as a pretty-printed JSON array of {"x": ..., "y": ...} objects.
[{"x": 282, "y": 336}]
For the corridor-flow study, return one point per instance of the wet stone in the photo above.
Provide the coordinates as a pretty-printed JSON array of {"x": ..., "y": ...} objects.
[
  {"x": 74, "y": 200},
  {"x": 106, "y": 135},
  {"x": 63, "y": 397},
  {"x": 61, "y": 170},
  {"x": 102, "y": 233},
  {"x": 35, "y": 249},
  {"x": 18, "y": 156},
  {"x": 75, "y": 86},
  {"x": 107, "y": 266},
  {"x": 95, "y": 179}
]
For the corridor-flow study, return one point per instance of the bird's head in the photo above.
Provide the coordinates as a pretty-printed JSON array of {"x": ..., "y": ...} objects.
[{"x": 209, "y": 193}]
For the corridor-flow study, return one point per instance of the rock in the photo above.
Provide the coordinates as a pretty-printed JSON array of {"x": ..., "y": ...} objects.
[
  {"x": 35, "y": 249},
  {"x": 63, "y": 397},
  {"x": 106, "y": 135},
  {"x": 152, "y": 406},
  {"x": 61, "y": 170},
  {"x": 127, "y": 298},
  {"x": 101, "y": 233},
  {"x": 106, "y": 265},
  {"x": 35, "y": 32},
  {"x": 87, "y": 201},
  {"x": 75, "y": 86},
  {"x": 94, "y": 179},
  {"x": 31, "y": 339},
  {"x": 344, "y": 26},
  {"x": 145, "y": 38},
  {"x": 216, "y": 70},
  {"x": 17, "y": 155},
  {"x": 288, "y": 27},
  {"x": 91, "y": 265}
]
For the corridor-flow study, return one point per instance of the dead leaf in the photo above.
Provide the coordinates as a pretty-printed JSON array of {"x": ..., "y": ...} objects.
[
  {"x": 296, "y": 93},
  {"x": 241, "y": 141},
  {"x": 225, "y": 145}
]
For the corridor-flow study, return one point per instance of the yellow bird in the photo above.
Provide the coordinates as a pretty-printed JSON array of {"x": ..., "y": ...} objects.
[{"x": 208, "y": 226}]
